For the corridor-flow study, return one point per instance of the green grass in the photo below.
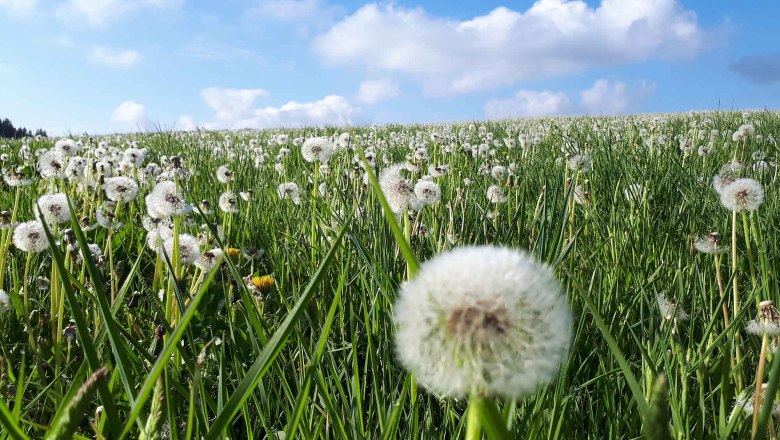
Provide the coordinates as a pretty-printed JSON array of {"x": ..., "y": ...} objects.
[{"x": 314, "y": 356}]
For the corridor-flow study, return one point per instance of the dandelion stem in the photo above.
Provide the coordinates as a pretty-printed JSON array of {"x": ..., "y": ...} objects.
[
  {"x": 759, "y": 381},
  {"x": 473, "y": 426},
  {"x": 735, "y": 293}
]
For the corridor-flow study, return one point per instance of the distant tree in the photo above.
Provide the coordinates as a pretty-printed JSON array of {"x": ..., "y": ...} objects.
[{"x": 8, "y": 131}]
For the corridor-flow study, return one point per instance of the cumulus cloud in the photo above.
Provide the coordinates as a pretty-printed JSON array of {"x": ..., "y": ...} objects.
[
  {"x": 131, "y": 114},
  {"x": 552, "y": 37},
  {"x": 186, "y": 123},
  {"x": 118, "y": 58},
  {"x": 603, "y": 97},
  {"x": 613, "y": 97},
  {"x": 374, "y": 91},
  {"x": 101, "y": 12},
  {"x": 528, "y": 103},
  {"x": 231, "y": 104},
  {"x": 18, "y": 7},
  {"x": 759, "y": 68},
  {"x": 235, "y": 108}
]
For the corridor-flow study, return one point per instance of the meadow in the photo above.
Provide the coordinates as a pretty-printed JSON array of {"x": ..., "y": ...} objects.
[{"x": 250, "y": 284}]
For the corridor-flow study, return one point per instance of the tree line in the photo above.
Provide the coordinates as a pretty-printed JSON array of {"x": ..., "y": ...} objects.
[{"x": 8, "y": 131}]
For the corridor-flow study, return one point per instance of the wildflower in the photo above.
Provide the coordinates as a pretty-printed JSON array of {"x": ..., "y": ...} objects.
[
  {"x": 224, "y": 175},
  {"x": 75, "y": 168},
  {"x": 209, "y": 259},
  {"x": 66, "y": 147},
  {"x": 51, "y": 165},
  {"x": 498, "y": 172},
  {"x": 189, "y": 248},
  {"x": 710, "y": 244},
  {"x": 746, "y": 404},
  {"x": 289, "y": 190},
  {"x": 580, "y": 163},
  {"x": 252, "y": 252},
  {"x": 120, "y": 189},
  {"x": 727, "y": 174},
  {"x": 246, "y": 195},
  {"x": 742, "y": 195},
  {"x": 205, "y": 206},
  {"x": 437, "y": 170},
  {"x": 134, "y": 157},
  {"x": 581, "y": 195},
  {"x": 5, "y": 301},
  {"x": 428, "y": 193},
  {"x": 30, "y": 237},
  {"x": 233, "y": 252},
  {"x": 165, "y": 201},
  {"x": 482, "y": 320},
  {"x": 53, "y": 208},
  {"x": 317, "y": 149},
  {"x": 398, "y": 190},
  {"x": 105, "y": 217},
  {"x": 15, "y": 178},
  {"x": 227, "y": 202},
  {"x": 496, "y": 195},
  {"x": 670, "y": 309},
  {"x": 767, "y": 322},
  {"x": 260, "y": 284}
]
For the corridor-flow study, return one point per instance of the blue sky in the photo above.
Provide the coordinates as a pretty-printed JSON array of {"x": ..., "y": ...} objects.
[{"x": 102, "y": 66}]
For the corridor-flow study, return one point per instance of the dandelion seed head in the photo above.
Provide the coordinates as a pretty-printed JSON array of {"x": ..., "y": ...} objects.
[
  {"x": 427, "y": 192},
  {"x": 228, "y": 203},
  {"x": 120, "y": 189},
  {"x": 317, "y": 149},
  {"x": 53, "y": 208},
  {"x": 30, "y": 237},
  {"x": 742, "y": 195},
  {"x": 482, "y": 319}
]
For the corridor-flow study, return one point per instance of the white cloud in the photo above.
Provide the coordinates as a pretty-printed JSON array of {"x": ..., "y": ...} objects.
[
  {"x": 231, "y": 104},
  {"x": 101, "y": 12},
  {"x": 118, "y": 58},
  {"x": 305, "y": 15},
  {"x": 186, "y": 123},
  {"x": 528, "y": 103},
  {"x": 373, "y": 91},
  {"x": 552, "y": 37},
  {"x": 235, "y": 108},
  {"x": 207, "y": 50},
  {"x": 130, "y": 113},
  {"x": 613, "y": 97},
  {"x": 18, "y": 7}
]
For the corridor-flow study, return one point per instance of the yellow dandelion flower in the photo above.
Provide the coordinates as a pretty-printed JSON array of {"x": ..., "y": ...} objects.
[
  {"x": 232, "y": 252},
  {"x": 263, "y": 283}
]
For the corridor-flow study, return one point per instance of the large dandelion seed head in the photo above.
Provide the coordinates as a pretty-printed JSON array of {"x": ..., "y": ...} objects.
[
  {"x": 30, "y": 237},
  {"x": 121, "y": 189},
  {"x": 289, "y": 190},
  {"x": 52, "y": 165},
  {"x": 224, "y": 175},
  {"x": 134, "y": 157},
  {"x": 482, "y": 320},
  {"x": 189, "y": 248},
  {"x": 75, "y": 168},
  {"x": 209, "y": 259},
  {"x": 66, "y": 147},
  {"x": 710, "y": 244},
  {"x": 227, "y": 202},
  {"x": 165, "y": 201},
  {"x": 742, "y": 195},
  {"x": 427, "y": 192},
  {"x": 397, "y": 189},
  {"x": 317, "y": 149},
  {"x": 53, "y": 208}
]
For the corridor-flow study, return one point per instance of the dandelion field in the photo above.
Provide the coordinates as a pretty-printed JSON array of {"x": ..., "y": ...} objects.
[{"x": 246, "y": 284}]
